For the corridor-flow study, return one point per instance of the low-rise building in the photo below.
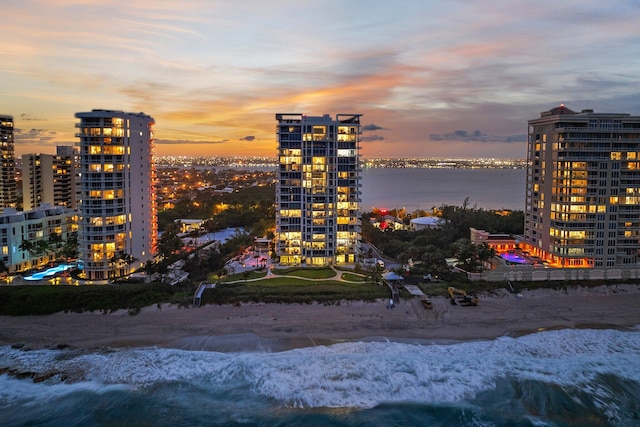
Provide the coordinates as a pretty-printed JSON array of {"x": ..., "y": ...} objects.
[
  {"x": 498, "y": 241},
  {"x": 425, "y": 222},
  {"x": 187, "y": 224},
  {"x": 31, "y": 239}
]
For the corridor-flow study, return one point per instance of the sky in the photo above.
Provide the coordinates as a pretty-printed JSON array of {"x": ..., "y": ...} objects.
[{"x": 438, "y": 78}]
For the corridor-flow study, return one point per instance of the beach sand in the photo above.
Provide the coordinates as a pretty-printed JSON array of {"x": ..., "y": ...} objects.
[{"x": 281, "y": 326}]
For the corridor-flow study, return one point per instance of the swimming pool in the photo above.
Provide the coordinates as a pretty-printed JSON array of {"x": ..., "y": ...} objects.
[
  {"x": 515, "y": 258},
  {"x": 49, "y": 272}
]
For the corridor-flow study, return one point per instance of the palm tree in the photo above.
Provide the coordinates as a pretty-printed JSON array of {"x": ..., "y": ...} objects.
[
  {"x": 70, "y": 247},
  {"x": 113, "y": 262},
  {"x": 117, "y": 263},
  {"x": 127, "y": 259},
  {"x": 466, "y": 252},
  {"x": 55, "y": 242},
  {"x": 3, "y": 267},
  {"x": 376, "y": 275},
  {"x": 485, "y": 252},
  {"x": 28, "y": 246},
  {"x": 43, "y": 247},
  {"x": 31, "y": 248}
]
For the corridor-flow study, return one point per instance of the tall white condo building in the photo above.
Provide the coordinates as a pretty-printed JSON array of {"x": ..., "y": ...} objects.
[{"x": 118, "y": 212}]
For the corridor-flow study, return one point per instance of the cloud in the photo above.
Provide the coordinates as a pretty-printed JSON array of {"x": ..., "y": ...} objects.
[
  {"x": 26, "y": 117},
  {"x": 187, "y": 141},
  {"x": 372, "y": 138},
  {"x": 476, "y": 135},
  {"x": 33, "y": 136},
  {"x": 211, "y": 75},
  {"x": 372, "y": 126}
]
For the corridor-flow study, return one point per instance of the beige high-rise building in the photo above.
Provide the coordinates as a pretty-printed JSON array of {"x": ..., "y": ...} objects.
[
  {"x": 118, "y": 212},
  {"x": 583, "y": 188},
  {"x": 37, "y": 180},
  {"x": 50, "y": 179},
  {"x": 8, "y": 186},
  {"x": 318, "y": 189},
  {"x": 66, "y": 175}
]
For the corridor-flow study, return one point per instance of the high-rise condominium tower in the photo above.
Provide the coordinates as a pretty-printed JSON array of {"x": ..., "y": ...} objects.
[
  {"x": 118, "y": 213},
  {"x": 318, "y": 189},
  {"x": 583, "y": 188},
  {"x": 8, "y": 166},
  {"x": 49, "y": 178}
]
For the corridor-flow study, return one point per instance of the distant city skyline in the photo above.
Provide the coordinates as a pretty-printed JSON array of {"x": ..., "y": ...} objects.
[{"x": 432, "y": 79}]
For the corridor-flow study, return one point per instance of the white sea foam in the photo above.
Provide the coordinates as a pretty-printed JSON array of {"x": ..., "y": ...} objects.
[
  {"x": 28, "y": 392},
  {"x": 356, "y": 374}
]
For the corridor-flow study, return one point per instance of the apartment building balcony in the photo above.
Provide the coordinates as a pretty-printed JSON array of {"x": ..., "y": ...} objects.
[
  {"x": 627, "y": 244},
  {"x": 289, "y": 251},
  {"x": 582, "y": 155},
  {"x": 317, "y": 253},
  {"x": 628, "y": 209}
]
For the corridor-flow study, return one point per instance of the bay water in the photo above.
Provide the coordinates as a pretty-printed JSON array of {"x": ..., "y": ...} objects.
[
  {"x": 422, "y": 188},
  {"x": 565, "y": 377},
  {"x": 425, "y": 188}
]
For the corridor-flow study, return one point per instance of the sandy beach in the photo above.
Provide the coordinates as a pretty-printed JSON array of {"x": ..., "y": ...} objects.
[{"x": 279, "y": 326}]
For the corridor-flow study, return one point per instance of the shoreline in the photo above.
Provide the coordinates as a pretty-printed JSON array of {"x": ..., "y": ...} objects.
[{"x": 277, "y": 327}]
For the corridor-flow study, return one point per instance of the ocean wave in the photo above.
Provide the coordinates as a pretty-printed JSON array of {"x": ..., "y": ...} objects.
[{"x": 345, "y": 375}]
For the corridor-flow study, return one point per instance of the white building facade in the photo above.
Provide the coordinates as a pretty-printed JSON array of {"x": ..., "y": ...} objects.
[
  {"x": 118, "y": 211},
  {"x": 36, "y": 228},
  {"x": 318, "y": 189}
]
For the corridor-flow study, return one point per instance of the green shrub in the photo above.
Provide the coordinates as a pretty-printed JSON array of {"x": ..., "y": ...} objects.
[{"x": 47, "y": 299}]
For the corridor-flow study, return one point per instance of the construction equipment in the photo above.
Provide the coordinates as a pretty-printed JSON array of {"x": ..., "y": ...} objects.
[{"x": 464, "y": 299}]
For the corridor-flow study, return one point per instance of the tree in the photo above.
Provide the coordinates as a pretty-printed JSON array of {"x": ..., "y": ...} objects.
[
  {"x": 70, "y": 247},
  {"x": 28, "y": 246},
  {"x": 113, "y": 261},
  {"x": 433, "y": 261},
  {"x": 169, "y": 243},
  {"x": 150, "y": 267},
  {"x": 43, "y": 247},
  {"x": 376, "y": 275},
  {"x": 485, "y": 252},
  {"x": 119, "y": 264},
  {"x": 55, "y": 240},
  {"x": 466, "y": 253},
  {"x": 3, "y": 267},
  {"x": 127, "y": 259},
  {"x": 35, "y": 249}
]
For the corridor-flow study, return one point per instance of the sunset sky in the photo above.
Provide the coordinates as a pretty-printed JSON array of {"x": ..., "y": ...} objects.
[{"x": 450, "y": 78}]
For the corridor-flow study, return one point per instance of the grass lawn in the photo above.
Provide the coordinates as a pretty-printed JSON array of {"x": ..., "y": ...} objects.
[
  {"x": 351, "y": 277},
  {"x": 309, "y": 273},
  {"x": 250, "y": 275}
]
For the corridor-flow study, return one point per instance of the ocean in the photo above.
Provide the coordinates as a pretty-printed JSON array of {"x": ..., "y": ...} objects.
[
  {"x": 421, "y": 188},
  {"x": 554, "y": 378}
]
